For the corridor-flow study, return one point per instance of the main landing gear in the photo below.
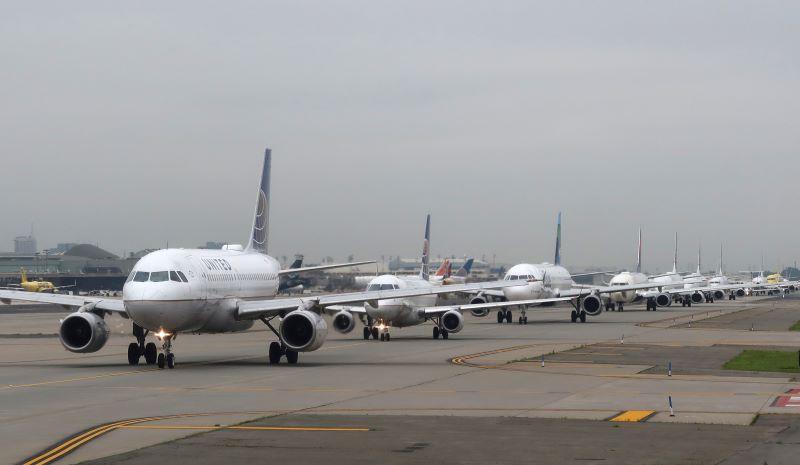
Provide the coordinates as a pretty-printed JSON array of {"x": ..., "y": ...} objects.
[
  {"x": 504, "y": 315},
  {"x": 277, "y": 349},
  {"x": 577, "y": 313},
  {"x": 438, "y": 329},
  {"x": 138, "y": 349},
  {"x": 651, "y": 305}
]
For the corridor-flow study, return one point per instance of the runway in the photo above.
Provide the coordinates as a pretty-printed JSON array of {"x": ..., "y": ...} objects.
[{"x": 593, "y": 372}]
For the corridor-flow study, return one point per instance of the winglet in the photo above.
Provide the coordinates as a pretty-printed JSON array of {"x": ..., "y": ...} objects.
[
  {"x": 557, "y": 259},
  {"x": 639, "y": 253},
  {"x": 260, "y": 233},
  {"x": 424, "y": 273}
]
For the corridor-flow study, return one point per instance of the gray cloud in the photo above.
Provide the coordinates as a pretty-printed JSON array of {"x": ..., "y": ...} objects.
[{"x": 134, "y": 125}]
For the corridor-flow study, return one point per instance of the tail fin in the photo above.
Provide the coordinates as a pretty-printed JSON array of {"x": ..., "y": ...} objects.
[
  {"x": 675, "y": 258},
  {"x": 424, "y": 273},
  {"x": 466, "y": 268},
  {"x": 260, "y": 232},
  {"x": 23, "y": 275},
  {"x": 699, "y": 248},
  {"x": 442, "y": 271},
  {"x": 557, "y": 259},
  {"x": 639, "y": 253},
  {"x": 720, "y": 259},
  {"x": 297, "y": 263}
]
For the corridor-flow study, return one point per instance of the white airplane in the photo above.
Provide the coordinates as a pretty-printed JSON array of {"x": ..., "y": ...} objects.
[
  {"x": 695, "y": 280},
  {"x": 172, "y": 291},
  {"x": 548, "y": 281},
  {"x": 653, "y": 298},
  {"x": 415, "y": 310}
]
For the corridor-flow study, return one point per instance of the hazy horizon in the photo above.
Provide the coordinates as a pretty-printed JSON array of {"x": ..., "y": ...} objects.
[{"x": 137, "y": 125}]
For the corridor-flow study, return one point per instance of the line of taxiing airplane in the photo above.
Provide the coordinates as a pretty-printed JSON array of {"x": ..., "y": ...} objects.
[{"x": 174, "y": 291}]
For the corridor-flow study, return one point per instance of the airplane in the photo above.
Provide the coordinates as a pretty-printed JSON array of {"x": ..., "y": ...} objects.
[
  {"x": 172, "y": 291},
  {"x": 653, "y": 299},
  {"x": 37, "y": 285},
  {"x": 292, "y": 283},
  {"x": 548, "y": 281},
  {"x": 460, "y": 277},
  {"x": 695, "y": 280}
]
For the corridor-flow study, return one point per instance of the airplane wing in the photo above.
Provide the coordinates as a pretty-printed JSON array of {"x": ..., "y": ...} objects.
[
  {"x": 253, "y": 309},
  {"x": 323, "y": 267},
  {"x": 446, "y": 308},
  {"x": 334, "y": 309},
  {"x": 593, "y": 273},
  {"x": 585, "y": 291},
  {"x": 109, "y": 305}
]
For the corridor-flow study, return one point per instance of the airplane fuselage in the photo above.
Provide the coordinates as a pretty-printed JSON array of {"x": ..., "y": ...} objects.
[
  {"x": 402, "y": 312},
  {"x": 626, "y": 278},
  {"x": 544, "y": 281},
  {"x": 156, "y": 297}
]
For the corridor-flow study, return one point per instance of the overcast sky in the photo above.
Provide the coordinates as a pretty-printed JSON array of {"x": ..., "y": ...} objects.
[{"x": 133, "y": 124}]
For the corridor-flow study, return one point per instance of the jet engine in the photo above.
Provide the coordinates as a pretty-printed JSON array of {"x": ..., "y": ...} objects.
[
  {"x": 480, "y": 299},
  {"x": 303, "y": 330},
  {"x": 718, "y": 294},
  {"x": 739, "y": 292},
  {"x": 698, "y": 297},
  {"x": 663, "y": 300},
  {"x": 452, "y": 321},
  {"x": 592, "y": 305},
  {"x": 343, "y": 322},
  {"x": 83, "y": 332}
]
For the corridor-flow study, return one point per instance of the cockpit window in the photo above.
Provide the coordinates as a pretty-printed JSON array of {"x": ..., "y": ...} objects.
[
  {"x": 374, "y": 287},
  {"x": 130, "y": 277},
  {"x": 159, "y": 276},
  {"x": 141, "y": 276},
  {"x": 173, "y": 276},
  {"x": 387, "y": 287},
  {"x": 183, "y": 276}
]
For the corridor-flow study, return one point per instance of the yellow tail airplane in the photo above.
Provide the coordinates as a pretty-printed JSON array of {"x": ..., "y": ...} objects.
[{"x": 37, "y": 286}]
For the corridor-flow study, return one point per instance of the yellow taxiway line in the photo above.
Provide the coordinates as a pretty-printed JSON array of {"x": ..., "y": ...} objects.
[
  {"x": 248, "y": 428},
  {"x": 633, "y": 415}
]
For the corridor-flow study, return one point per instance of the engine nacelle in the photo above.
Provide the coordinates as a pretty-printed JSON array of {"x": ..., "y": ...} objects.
[
  {"x": 739, "y": 292},
  {"x": 453, "y": 321},
  {"x": 303, "y": 330},
  {"x": 663, "y": 300},
  {"x": 343, "y": 322},
  {"x": 480, "y": 299},
  {"x": 698, "y": 297},
  {"x": 592, "y": 305},
  {"x": 718, "y": 294},
  {"x": 83, "y": 332}
]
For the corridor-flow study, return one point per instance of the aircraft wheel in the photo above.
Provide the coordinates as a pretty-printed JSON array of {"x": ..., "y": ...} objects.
[
  {"x": 291, "y": 357},
  {"x": 445, "y": 334},
  {"x": 509, "y": 316},
  {"x": 366, "y": 333},
  {"x": 161, "y": 360},
  {"x": 525, "y": 320},
  {"x": 519, "y": 320},
  {"x": 171, "y": 361},
  {"x": 583, "y": 316},
  {"x": 150, "y": 353},
  {"x": 500, "y": 316},
  {"x": 574, "y": 316},
  {"x": 275, "y": 353},
  {"x": 620, "y": 308},
  {"x": 133, "y": 353},
  {"x": 388, "y": 337},
  {"x": 383, "y": 337},
  {"x": 375, "y": 333},
  {"x": 689, "y": 303},
  {"x": 436, "y": 332}
]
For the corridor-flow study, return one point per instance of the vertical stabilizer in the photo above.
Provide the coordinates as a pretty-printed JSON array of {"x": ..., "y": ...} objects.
[
  {"x": 675, "y": 257},
  {"x": 639, "y": 253},
  {"x": 424, "y": 273},
  {"x": 260, "y": 232},
  {"x": 720, "y": 260},
  {"x": 23, "y": 276},
  {"x": 466, "y": 268},
  {"x": 557, "y": 259},
  {"x": 699, "y": 248}
]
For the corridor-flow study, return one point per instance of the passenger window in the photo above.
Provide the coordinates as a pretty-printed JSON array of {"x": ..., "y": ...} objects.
[
  {"x": 159, "y": 276},
  {"x": 182, "y": 276},
  {"x": 141, "y": 276}
]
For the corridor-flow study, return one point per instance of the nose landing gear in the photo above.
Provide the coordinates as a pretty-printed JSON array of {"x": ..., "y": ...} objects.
[{"x": 166, "y": 357}]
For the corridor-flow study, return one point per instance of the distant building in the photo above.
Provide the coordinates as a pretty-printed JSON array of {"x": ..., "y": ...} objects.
[
  {"x": 25, "y": 245},
  {"x": 62, "y": 247}
]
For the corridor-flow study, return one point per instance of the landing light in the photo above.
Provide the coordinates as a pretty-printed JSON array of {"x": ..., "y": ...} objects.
[{"x": 161, "y": 334}]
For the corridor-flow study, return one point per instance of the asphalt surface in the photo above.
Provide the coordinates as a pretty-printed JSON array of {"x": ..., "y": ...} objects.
[
  {"x": 107, "y": 407},
  {"x": 470, "y": 440}
]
